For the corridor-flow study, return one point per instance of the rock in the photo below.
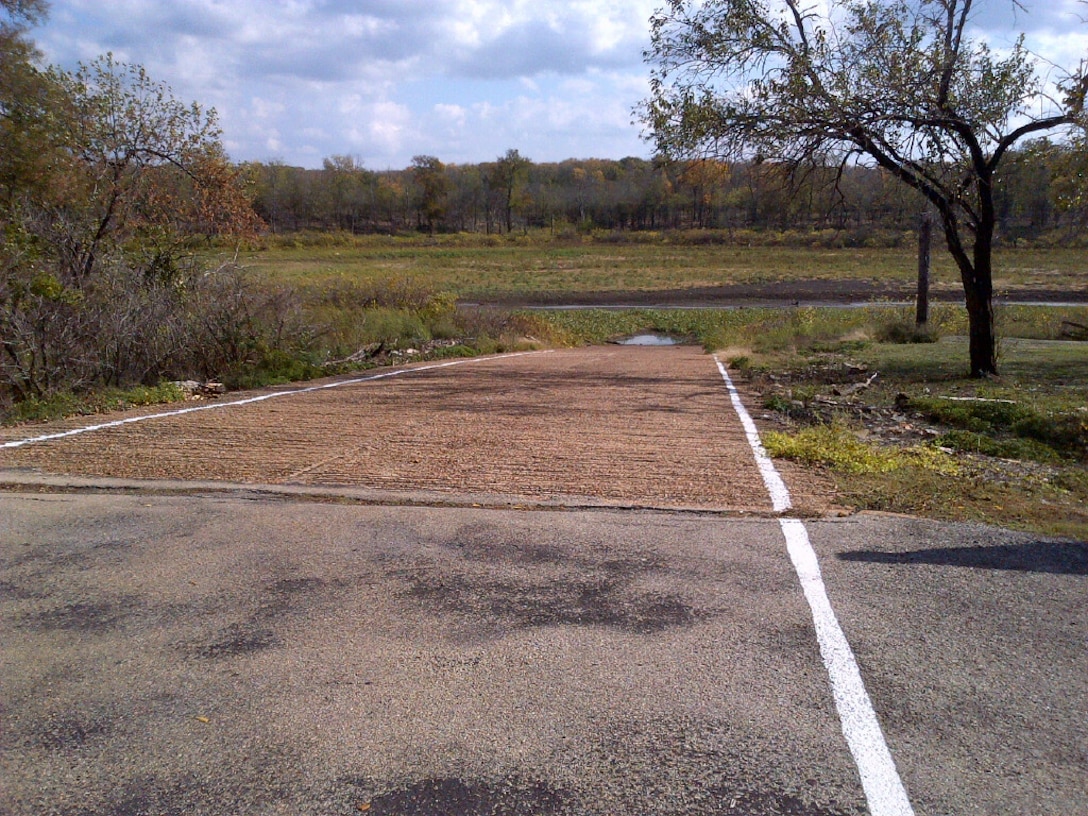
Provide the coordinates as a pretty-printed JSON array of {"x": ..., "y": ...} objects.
[
  {"x": 200, "y": 390},
  {"x": 190, "y": 387}
]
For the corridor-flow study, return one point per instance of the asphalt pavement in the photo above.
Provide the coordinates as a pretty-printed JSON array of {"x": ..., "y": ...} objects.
[{"x": 237, "y": 651}]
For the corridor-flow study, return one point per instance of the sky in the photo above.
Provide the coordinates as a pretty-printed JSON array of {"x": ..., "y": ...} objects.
[{"x": 464, "y": 80}]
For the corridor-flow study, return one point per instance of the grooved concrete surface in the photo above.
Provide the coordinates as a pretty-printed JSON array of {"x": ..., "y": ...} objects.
[{"x": 627, "y": 425}]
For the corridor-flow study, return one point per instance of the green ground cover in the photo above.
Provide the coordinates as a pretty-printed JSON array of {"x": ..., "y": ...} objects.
[
  {"x": 491, "y": 266},
  {"x": 925, "y": 439}
]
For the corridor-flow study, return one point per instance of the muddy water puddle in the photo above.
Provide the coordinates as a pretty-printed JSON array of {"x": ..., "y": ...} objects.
[{"x": 652, "y": 339}]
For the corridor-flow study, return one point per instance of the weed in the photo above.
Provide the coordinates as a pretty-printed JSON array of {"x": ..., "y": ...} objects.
[
  {"x": 1008, "y": 428},
  {"x": 1019, "y": 440},
  {"x": 53, "y": 406},
  {"x": 273, "y": 367},
  {"x": 776, "y": 402},
  {"x": 398, "y": 328},
  {"x": 1014, "y": 448},
  {"x": 1055, "y": 506},
  {"x": 973, "y": 415},
  {"x": 459, "y": 350},
  {"x": 837, "y": 447},
  {"x": 1072, "y": 481}
]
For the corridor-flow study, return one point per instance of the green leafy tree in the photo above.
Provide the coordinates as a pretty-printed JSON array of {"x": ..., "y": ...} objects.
[
  {"x": 506, "y": 174},
  {"x": 432, "y": 187},
  {"x": 898, "y": 84},
  {"x": 349, "y": 191},
  {"x": 26, "y": 97},
  {"x": 143, "y": 173},
  {"x": 1069, "y": 180}
]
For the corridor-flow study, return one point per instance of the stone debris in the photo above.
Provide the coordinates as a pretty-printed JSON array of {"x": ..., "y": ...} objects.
[{"x": 200, "y": 390}]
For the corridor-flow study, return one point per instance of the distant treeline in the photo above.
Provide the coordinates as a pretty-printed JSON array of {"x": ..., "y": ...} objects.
[{"x": 1040, "y": 196}]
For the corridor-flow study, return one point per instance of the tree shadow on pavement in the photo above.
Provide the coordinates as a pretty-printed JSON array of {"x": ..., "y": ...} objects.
[{"x": 1057, "y": 557}]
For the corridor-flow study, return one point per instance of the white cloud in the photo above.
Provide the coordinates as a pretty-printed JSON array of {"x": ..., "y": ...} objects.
[
  {"x": 454, "y": 114},
  {"x": 1064, "y": 49},
  {"x": 463, "y": 80},
  {"x": 379, "y": 77},
  {"x": 264, "y": 109},
  {"x": 388, "y": 128},
  {"x": 273, "y": 143}
]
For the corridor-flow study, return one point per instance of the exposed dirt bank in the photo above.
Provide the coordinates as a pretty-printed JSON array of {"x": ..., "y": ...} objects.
[{"x": 811, "y": 292}]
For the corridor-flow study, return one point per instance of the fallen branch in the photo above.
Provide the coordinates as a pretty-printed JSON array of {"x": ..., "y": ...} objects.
[
  {"x": 847, "y": 390},
  {"x": 977, "y": 399},
  {"x": 365, "y": 353}
]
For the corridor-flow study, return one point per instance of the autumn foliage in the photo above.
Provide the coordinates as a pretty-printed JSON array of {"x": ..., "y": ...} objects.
[{"x": 107, "y": 186}]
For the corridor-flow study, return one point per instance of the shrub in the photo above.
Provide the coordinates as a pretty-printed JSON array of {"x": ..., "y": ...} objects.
[
  {"x": 397, "y": 328},
  {"x": 1005, "y": 428},
  {"x": 270, "y": 368},
  {"x": 901, "y": 331},
  {"x": 65, "y": 403},
  {"x": 1015, "y": 448}
]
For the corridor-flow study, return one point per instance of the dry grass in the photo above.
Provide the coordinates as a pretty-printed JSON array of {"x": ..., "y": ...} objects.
[{"x": 511, "y": 267}]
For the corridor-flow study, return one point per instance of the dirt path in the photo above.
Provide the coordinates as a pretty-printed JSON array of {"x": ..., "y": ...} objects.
[{"x": 633, "y": 426}]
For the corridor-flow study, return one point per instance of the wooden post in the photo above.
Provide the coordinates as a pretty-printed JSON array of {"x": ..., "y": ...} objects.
[{"x": 924, "y": 230}]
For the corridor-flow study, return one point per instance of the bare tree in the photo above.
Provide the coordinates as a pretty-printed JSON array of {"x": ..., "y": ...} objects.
[{"x": 899, "y": 84}]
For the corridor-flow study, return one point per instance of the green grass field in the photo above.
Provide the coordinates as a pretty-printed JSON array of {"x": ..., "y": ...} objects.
[
  {"x": 508, "y": 267},
  {"x": 1013, "y": 450}
]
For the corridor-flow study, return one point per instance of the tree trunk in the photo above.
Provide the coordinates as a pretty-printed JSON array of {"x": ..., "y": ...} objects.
[
  {"x": 983, "y": 340},
  {"x": 921, "y": 317},
  {"x": 979, "y": 291},
  {"x": 976, "y": 274}
]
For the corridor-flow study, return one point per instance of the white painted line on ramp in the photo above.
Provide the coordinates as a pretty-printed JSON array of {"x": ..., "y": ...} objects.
[
  {"x": 879, "y": 778},
  {"x": 272, "y": 395},
  {"x": 780, "y": 495}
]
